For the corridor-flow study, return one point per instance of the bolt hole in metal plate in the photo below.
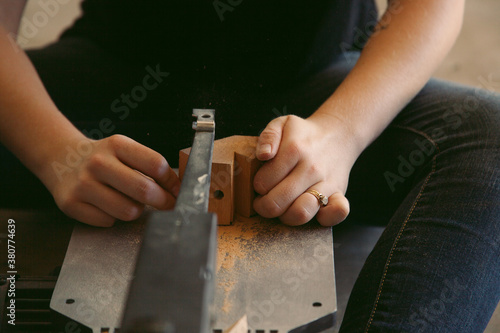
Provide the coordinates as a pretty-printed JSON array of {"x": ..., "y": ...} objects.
[
  {"x": 274, "y": 274},
  {"x": 270, "y": 272}
]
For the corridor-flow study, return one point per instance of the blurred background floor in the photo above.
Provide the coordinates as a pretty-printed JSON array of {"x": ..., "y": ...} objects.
[{"x": 474, "y": 60}]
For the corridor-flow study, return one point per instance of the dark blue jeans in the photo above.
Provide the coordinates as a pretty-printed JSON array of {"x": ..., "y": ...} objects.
[
  {"x": 436, "y": 267},
  {"x": 432, "y": 177}
]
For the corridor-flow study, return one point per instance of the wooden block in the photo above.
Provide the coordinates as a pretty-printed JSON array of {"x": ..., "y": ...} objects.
[
  {"x": 221, "y": 199},
  {"x": 231, "y": 186},
  {"x": 245, "y": 168}
]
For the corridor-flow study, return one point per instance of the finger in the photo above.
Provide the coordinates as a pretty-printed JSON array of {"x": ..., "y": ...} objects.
[
  {"x": 90, "y": 214},
  {"x": 110, "y": 171},
  {"x": 273, "y": 172},
  {"x": 270, "y": 138},
  {"x": 304, "y": 208},
  {"x": 147, "y": 161},
  {"x": 110, "y": 201},
  {"x": 281, "y": 197},
  {"x": 169, "y": 181},
  {"x": 335, "y": 212},
  {"x": 170, "y": 203}
]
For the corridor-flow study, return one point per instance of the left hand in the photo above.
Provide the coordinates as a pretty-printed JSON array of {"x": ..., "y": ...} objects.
[{"x": 302, "y": 154}]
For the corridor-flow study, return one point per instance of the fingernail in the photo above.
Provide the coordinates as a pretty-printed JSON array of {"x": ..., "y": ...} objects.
[{"x": 265, "y": 149}]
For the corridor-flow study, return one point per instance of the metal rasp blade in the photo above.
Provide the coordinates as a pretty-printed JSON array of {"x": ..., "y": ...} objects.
[
  {"x": 174, "y": 283},
  {"x": 195, "y": 187}
]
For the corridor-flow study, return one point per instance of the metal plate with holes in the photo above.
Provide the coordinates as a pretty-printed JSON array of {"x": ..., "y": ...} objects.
[
  {"x": 281, "y": 277},
  {"x": 95, "y": 275}
]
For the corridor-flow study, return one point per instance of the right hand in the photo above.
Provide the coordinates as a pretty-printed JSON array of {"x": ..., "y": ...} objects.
[{"x": 115, "y": 181}]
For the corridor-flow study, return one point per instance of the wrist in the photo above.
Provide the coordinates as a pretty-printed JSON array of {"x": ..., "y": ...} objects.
[
  {"x": 60, "y": 155},
  {"x": 338, "y": 127}
]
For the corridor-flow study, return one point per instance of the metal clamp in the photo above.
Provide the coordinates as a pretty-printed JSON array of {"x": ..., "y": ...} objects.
[{"x": 205, "y": 120}]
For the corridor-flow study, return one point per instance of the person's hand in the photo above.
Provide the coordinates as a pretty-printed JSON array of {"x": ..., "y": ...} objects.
[
  {"x": 115, "y": 181},
  {"x": 304, "y": 154}
]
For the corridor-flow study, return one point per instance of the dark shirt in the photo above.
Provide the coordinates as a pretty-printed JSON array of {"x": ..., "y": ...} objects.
[{"x": 269, "y": 41}]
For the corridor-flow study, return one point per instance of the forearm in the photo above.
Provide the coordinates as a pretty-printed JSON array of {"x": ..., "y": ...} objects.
[
  {"x": 408, "y": 45},
  {"x": 31, "y": 126}
]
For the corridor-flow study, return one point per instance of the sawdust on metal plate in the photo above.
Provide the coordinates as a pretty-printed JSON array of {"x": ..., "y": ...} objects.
[{"x": 242, "y": 241}]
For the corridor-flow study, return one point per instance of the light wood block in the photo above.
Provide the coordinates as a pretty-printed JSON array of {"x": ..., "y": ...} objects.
[
  {"x": 233, "y": 168},
  {"x": 245, "y": 168}
]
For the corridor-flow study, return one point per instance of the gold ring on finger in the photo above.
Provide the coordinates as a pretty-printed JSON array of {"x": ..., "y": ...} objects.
[{"x": 323, "y": 200}]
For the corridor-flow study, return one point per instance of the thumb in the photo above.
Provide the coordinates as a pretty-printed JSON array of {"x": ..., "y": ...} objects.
[{"x": 270, "y": 138}]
